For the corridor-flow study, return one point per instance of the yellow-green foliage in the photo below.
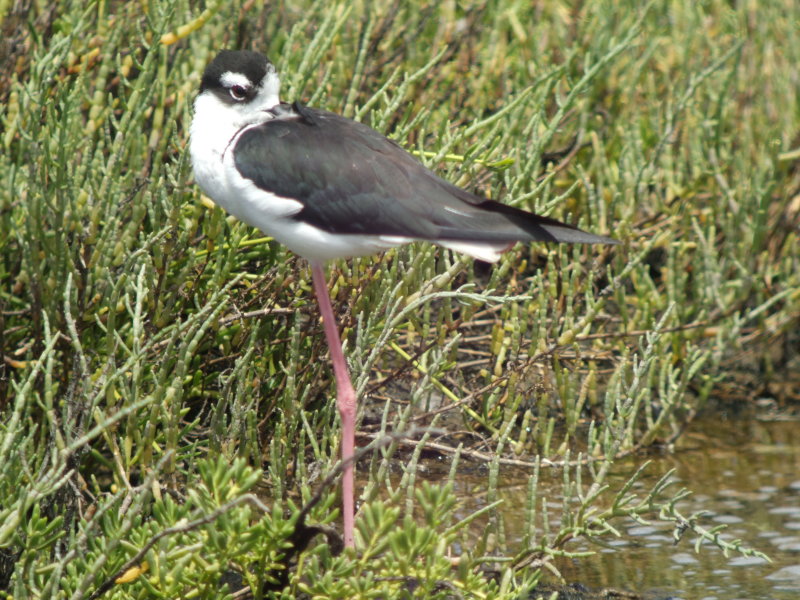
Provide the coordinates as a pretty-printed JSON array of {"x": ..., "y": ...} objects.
[{"x": 157, "y": 356}]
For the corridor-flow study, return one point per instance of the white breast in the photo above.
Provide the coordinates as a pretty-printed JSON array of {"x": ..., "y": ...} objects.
[{"x": 215, "y": 129}]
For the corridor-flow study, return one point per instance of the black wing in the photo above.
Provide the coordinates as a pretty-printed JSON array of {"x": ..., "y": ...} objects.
[{"x": 353, "y": 180}]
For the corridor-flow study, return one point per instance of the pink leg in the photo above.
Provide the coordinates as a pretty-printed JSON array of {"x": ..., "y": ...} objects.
[{"x": 345, "y": 397}]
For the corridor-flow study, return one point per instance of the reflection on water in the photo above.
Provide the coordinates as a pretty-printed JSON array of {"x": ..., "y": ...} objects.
[{"x": 745, "y": 475}]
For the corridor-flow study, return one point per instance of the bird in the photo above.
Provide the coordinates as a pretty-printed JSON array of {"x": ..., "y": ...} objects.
[{"x": 328, "y": 187}]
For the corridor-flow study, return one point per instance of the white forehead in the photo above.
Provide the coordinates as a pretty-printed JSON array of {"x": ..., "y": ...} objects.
[{"x": 230, "y": 79}]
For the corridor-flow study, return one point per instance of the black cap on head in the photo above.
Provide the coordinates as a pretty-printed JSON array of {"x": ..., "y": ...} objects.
[{"x": 252, "y": 65}]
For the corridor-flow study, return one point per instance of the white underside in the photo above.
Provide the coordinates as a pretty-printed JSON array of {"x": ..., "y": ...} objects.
[{"x": 215, "y": 129}]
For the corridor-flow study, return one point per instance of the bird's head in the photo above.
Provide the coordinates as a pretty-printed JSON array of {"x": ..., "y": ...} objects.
[{"x": 238, "y": 86}]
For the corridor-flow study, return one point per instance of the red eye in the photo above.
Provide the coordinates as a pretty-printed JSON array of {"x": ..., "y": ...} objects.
[{"x": 238, "y": 92}]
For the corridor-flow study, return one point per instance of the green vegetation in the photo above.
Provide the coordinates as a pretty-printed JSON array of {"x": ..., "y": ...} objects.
[{"x": 167, "y": 404}]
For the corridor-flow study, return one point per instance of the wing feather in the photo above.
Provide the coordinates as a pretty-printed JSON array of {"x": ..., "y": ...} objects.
[{"x": 353, "y": 180}]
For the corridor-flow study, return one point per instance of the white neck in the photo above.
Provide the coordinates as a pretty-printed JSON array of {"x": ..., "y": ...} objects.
[{"x": 216, "y": 124}]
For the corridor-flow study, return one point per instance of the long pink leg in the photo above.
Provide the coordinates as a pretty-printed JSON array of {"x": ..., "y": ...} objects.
[{"x": 345, "y": 397}]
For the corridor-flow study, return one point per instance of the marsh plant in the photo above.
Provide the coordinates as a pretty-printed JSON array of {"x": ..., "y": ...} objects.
[{"x": 168, "y": 426}]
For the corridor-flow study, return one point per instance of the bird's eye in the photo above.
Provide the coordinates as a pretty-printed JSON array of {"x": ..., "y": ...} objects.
[{"x": 238, "y": 92}]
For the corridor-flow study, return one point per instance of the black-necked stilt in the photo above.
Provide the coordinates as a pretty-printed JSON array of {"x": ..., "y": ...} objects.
[{"x": 329, "y": 187}]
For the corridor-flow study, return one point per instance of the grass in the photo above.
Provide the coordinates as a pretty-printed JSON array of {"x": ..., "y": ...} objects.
[{"x": 159, "y": 358}]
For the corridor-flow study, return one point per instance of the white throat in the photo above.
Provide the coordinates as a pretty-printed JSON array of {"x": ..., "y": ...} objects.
[{"x": 215, "y": 127}]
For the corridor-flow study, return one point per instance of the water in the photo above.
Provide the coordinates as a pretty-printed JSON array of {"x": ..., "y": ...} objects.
[{"x": 744, "y": 474}]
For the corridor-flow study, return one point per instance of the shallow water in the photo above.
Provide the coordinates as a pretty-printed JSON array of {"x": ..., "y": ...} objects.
[{"x": 744, "y": 474}]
